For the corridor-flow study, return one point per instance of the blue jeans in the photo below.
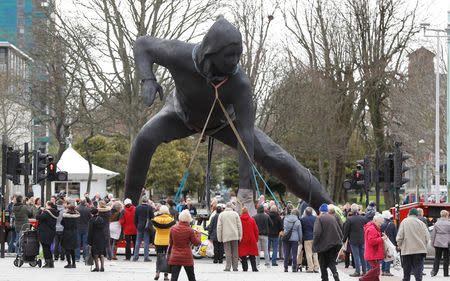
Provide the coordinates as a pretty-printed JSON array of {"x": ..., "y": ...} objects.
[
  {"x": 12, "y": 241},
  {"x": 358, "y": 256},
  {"x": 274, "y": 243},
  {"x": 82, "y": 238},
  {"x": 385, "y": 266},
  {"x": 146, "y": 236},
  {"x": 17, "y": 241}
]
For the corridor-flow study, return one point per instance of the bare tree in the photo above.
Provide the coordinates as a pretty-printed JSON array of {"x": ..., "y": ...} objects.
[
  {"x": 103, "y": 45},
  {"x": 254, "y": 19},
  {"x": 15, "y": 119},
  {"x": 381, "y": 32},
  {"x": 324, "y": 43}
]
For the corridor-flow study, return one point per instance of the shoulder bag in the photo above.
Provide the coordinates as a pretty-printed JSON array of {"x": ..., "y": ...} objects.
[
  {"x": 287, "y": 234},
  {"x": 162, "y": 261},
  {"x": 148, "y": 223}
]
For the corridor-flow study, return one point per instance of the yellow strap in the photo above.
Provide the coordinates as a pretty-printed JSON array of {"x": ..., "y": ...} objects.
[
  {"x": 201, "y": 135},
  {"x": 241, "y": 204}
]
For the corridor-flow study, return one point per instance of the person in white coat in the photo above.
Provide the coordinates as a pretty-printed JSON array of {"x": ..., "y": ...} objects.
[{"x": 229, "y": 231}]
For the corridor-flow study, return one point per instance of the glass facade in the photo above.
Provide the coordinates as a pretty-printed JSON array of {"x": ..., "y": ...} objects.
[{"x": 16, "y": 22}]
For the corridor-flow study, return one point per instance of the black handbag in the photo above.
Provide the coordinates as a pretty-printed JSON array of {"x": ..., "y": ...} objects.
[
  {"x": 287, "y": 234},
  {"x": 148, "y": 223},
  {"x": 162, "y": 261}
]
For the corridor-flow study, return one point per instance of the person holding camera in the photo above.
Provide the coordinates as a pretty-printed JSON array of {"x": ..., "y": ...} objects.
[
  {"x": 46, "y": 218},
  {"x": 180, "y": 237}
]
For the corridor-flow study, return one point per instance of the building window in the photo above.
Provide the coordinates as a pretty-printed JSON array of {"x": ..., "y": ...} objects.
[
  {"x": 2, "y": 55},
  {"x": 72, "y": 189}
]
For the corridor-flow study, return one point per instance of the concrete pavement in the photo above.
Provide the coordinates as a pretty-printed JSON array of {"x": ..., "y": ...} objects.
[{"x": 205, "y": 270}]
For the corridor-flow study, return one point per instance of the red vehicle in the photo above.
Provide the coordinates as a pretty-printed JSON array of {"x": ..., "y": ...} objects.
[{"x": 430, "y": 210}]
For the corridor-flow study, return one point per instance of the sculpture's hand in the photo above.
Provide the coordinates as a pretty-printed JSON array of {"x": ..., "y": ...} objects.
[{"x": 149, "y": 89}]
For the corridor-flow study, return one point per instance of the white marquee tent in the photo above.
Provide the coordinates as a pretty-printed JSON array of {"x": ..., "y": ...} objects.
[{"x": 78, "y": 172}]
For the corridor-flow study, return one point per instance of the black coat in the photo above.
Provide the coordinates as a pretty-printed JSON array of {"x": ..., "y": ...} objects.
[
  {"x": 389, "y": 228},
  {"x": 262, "y": 221},
  {"x": 327, "y": 233},
  {"x": 212, "y": 228},
  {"x": 47, "y": 225},
  {"x": 354, "y": 229},
  {"x": 85, "y": 216},
  {"x": 173, "y": 213},
  {"x": 140, "y": 216},
  {"x": 105, "y": 214},
  {"x": 96, "y": 236},
  {"x": 277, "y": 225},
  {"x": 70, "y": 232}
]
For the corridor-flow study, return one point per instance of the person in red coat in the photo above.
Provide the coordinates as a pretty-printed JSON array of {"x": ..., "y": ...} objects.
[
  {"x": 129, "y": 229},
  {"x": 374, "y": 249},
  {"x": 248, "y": 248},
  {"x": 180, "y": 238}
]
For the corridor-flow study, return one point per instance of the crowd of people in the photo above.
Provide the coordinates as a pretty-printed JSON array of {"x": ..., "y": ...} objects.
[{"x": 293, "y": 234}]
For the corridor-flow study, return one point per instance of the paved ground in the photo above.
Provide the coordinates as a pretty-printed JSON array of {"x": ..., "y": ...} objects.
[{"x": 205, "y": 270}]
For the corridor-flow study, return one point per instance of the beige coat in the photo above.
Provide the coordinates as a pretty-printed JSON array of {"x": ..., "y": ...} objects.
[
  {"x": 413, "y": 236},
  {"x": 229, "y": 226}
]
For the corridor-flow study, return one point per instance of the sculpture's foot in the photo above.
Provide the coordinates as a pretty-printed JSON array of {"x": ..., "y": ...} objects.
[{"x": 245, "y": 198}]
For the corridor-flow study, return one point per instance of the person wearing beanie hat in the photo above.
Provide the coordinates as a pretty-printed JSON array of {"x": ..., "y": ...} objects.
[
  {"x": 389, "y": 228},
  {"x": 323, "y": 208},
  {"x": 327, "y": 241},
  {"x": 412, "y": 238},
  {"x": 127, "y": 202},
  {"x": 128, "y": 227},
  {"x": 414, "y": 212}
]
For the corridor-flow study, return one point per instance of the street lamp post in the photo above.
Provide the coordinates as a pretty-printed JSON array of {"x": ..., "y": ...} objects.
[
  {"x": 437, "y": 143},
  {"x": 424, "y": 173},
  {"x": 448, "y": 104}
]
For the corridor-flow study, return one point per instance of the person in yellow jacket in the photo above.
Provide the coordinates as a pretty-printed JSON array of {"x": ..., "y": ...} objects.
[{"x": 162, "y": 223}]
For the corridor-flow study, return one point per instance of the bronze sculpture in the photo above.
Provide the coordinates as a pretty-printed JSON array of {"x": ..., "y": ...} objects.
[{"x": 194, "y": 68}]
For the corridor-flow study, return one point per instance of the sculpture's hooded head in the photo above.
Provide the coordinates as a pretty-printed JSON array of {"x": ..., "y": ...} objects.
[{"x": 219, "y": 53}]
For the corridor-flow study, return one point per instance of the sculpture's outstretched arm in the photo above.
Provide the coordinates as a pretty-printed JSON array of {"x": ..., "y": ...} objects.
[{"x": 147, "y": 51}]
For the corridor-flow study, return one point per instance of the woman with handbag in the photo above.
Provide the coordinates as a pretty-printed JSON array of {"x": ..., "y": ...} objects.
[
  {"x": 162, "y": 223},
  {"x": 115, "y": 228},
  {"x": 374, "y": 249},
  {"x": 292, "y": 238},
  {"x": 388, "y": 227},
  {"x": 105, "y": 213}
]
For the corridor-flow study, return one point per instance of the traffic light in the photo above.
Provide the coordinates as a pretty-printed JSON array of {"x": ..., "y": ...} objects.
[
  {"x": 348, "y": 184},
  {"x": 61, "y": 176},
  {"x": 40, "y": 162},
  {"x": 13, "y": 166},
  {"x": 52, "y": 174},
  {"x": 363, "y": 175},
  {"x": 399, "y": 167},
  {"x": 51, "y": 168},
  {"x": 388, "y": 171}
]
